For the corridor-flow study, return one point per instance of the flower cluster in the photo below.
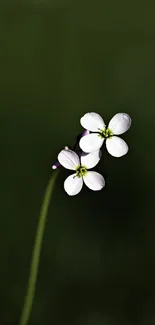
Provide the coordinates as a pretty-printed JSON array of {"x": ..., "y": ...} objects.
[{"x": 89, "y": 152}]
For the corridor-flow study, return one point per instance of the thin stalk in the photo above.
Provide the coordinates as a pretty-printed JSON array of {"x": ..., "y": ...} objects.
[{"x": 28, "y": 302}]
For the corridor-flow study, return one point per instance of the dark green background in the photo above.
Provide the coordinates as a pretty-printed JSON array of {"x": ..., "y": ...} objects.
[{"x": 58, "y": 60}]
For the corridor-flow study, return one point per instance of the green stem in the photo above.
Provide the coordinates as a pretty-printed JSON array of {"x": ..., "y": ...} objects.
[{"x": 36, "y": 253}]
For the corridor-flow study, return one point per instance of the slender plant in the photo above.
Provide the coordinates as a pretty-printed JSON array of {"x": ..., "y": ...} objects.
[{"x": 85, "y": 155}]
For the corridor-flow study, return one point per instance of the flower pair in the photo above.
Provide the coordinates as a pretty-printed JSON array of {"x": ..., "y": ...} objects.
[{"x": 89, "y": 155}]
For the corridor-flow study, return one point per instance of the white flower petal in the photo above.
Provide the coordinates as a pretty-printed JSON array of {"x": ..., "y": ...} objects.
[
  {"x": 92, "y": 122},
  {"x": 73, "y": 184},
  {"x": 94, "y": 181},
  {"x": 68, "y": 159},
  {"x": 116, "y": 146},
  {"x": 91, "y": 142},
  {"x": 120, "y": 123},
  {"x": 90, "y": 160}
]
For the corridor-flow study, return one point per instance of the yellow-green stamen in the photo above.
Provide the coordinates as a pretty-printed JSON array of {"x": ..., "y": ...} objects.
[
  {"x": 105, "y": 133},
  {"x": 81, "y": 171}
]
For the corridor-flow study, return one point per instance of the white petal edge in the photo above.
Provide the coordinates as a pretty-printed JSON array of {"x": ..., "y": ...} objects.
[
  {"x": 120, "y": 123},
  {"x": 73, "y": 185},
  {"x": 92, "y": 122},
  {"x": 68, "y": 159},
  {"x": 91, "y": 142},
  {"x": 116, "y": 146},
  {"x": 94, "y": 181},
  {"x": 90, "y": 160}
]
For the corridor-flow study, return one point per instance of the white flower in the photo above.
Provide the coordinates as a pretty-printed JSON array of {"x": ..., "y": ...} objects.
[
  {"x": 93, "y": 122},
  {"x": 73, "y": 184}
]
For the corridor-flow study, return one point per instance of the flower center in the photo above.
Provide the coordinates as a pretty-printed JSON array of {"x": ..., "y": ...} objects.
[
  {"x": 105, "y": 133},
  {"x": 81, "y": 171}
]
